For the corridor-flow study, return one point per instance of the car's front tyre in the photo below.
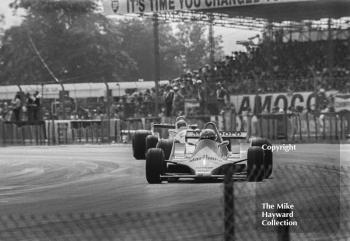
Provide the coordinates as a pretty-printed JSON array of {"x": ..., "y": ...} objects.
[{"x": 155, "y": 165}]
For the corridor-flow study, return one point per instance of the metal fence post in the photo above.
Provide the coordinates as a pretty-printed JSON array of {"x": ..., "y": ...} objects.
[
  {"x": 260, "y": 125},
  {"x": 285, "y": 120},
  {"x": 53, "y": 134},
  {"x": 274, "y": 127},
  {"x": 342, "y": 136},
  {"x": 336, "y": 127},
  {"x": 283, "y": 232},
  {"x": 308, "y": 126},
  {"x": 324, "y": 127},
  {"x": 300, "y": 131},
  {"x": 229, "y": 205},
  {"x": 316, "y": 127},
  {"x": 2, "y": 126}
]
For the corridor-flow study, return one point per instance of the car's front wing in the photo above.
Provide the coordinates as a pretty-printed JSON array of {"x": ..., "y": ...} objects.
[{"x": 240, "y": 175}]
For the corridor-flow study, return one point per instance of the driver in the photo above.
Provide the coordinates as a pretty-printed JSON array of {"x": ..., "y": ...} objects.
[
  {"x": 181, "y": 128},
  {"x": 207, "y": 134},
  {"x": 181, "y": 124}
]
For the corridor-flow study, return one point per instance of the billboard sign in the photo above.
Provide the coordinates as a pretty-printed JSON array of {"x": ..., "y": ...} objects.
[
  {"x": 269, "y": 101},
  {"x": 342, "y": 102},
  {"x": 284, "y": 100},
  {"x": 147, "y": 6}
]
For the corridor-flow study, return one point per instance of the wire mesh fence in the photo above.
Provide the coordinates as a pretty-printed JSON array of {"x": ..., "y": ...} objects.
[
  {"x": 127, "y": 226},
  {"x": 299, "y": 202},
  {"x": 316, "y": 197}
]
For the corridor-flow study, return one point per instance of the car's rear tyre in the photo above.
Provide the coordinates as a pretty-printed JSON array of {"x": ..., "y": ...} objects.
[
  {"x": 139, "y": 144},
  {"x": 151, "y": 142},
  {"x": 154, "y": 165},
  {"x": 268, "y": 157},
  {"x": 166, "y": 145},
  {"x": 255, "y": 164}
]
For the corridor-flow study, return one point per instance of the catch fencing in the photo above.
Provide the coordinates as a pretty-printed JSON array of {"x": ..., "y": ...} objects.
[
  {"x": 320, "y": 195},
  {"x": 311, "y": 200}
]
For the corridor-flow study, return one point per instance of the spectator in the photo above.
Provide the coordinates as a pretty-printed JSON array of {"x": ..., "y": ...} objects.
[
  {"x": 7, "y": 112},
  {"x": 201, "y": 96},
  {"x": 169, "y": 97},
  {"x": 37, "y": 106},
  {"x": 221, "y": 95},
  {"x": 16, "y": 107},
  {"x": 30, "y": 104},
  {"x": 178, "y": 102}
]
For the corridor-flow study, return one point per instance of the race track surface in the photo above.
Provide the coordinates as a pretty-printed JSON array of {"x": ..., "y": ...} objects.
[{"x": 99, "y": 192}]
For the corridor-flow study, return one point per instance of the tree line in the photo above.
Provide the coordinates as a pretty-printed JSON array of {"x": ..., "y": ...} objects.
[{"x": 69, "y": 41}]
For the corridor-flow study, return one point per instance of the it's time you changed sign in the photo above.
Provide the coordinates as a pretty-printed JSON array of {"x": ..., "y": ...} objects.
[{"x": 147, "y": 6}]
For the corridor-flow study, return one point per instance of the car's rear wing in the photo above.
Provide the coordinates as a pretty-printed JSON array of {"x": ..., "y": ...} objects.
[
  {"x": 172, "y": 126},
  {"x": 164, "y": 126},
  {"x": 225, "y": 135}
]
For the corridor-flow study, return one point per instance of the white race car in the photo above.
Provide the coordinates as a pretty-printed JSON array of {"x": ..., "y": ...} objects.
[
  {"x": 160, "y": 136},
  {"x": 207, "y": 153}
]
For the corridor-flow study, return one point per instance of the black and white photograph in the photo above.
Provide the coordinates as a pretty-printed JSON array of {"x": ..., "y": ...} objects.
[{"x": 174, "y": 120}]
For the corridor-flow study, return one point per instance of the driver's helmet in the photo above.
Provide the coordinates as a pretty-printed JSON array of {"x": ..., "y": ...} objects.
[
  {"x": 181, "y": 124},
  {"x": 207, "y": 134}
]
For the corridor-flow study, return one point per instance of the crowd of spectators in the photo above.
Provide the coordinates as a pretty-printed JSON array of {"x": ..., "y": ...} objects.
[
  {"x": 286, "y": 66},
  {"x": 23, "y": 107},
  {"x": 268, "y": 67}
]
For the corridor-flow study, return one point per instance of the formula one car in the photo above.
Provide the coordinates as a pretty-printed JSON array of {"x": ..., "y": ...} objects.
[
  {"x": 205, "y": 154},
  {"x": 144, "y": 139}
]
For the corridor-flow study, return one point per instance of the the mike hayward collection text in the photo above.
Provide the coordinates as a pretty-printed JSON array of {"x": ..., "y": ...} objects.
[{"x": 280, "y": 214}]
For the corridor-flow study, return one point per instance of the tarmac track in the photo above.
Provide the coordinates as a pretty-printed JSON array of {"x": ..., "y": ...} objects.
[{"x": 99, "y": 192}]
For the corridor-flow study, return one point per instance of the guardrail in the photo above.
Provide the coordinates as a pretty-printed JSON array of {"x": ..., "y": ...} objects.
[
  {"x": 309, "y": 127},
  {"x": 53, "y": 132},
  {"x": 299, "y": 127},
  {"x": 83, "y": 131},
  {"x": 22, "y": 133}
]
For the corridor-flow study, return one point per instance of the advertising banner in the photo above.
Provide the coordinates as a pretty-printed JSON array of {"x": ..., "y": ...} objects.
[
  {"x": 342, "y": 102},
  {"x": 267, "y": 102},
  {"x": 147, "y": 6}
]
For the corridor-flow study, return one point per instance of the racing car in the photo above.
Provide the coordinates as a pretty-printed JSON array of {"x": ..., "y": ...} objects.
[
  {"x": 145, "y": 139},
  {"x": 204, "y": 154}
]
